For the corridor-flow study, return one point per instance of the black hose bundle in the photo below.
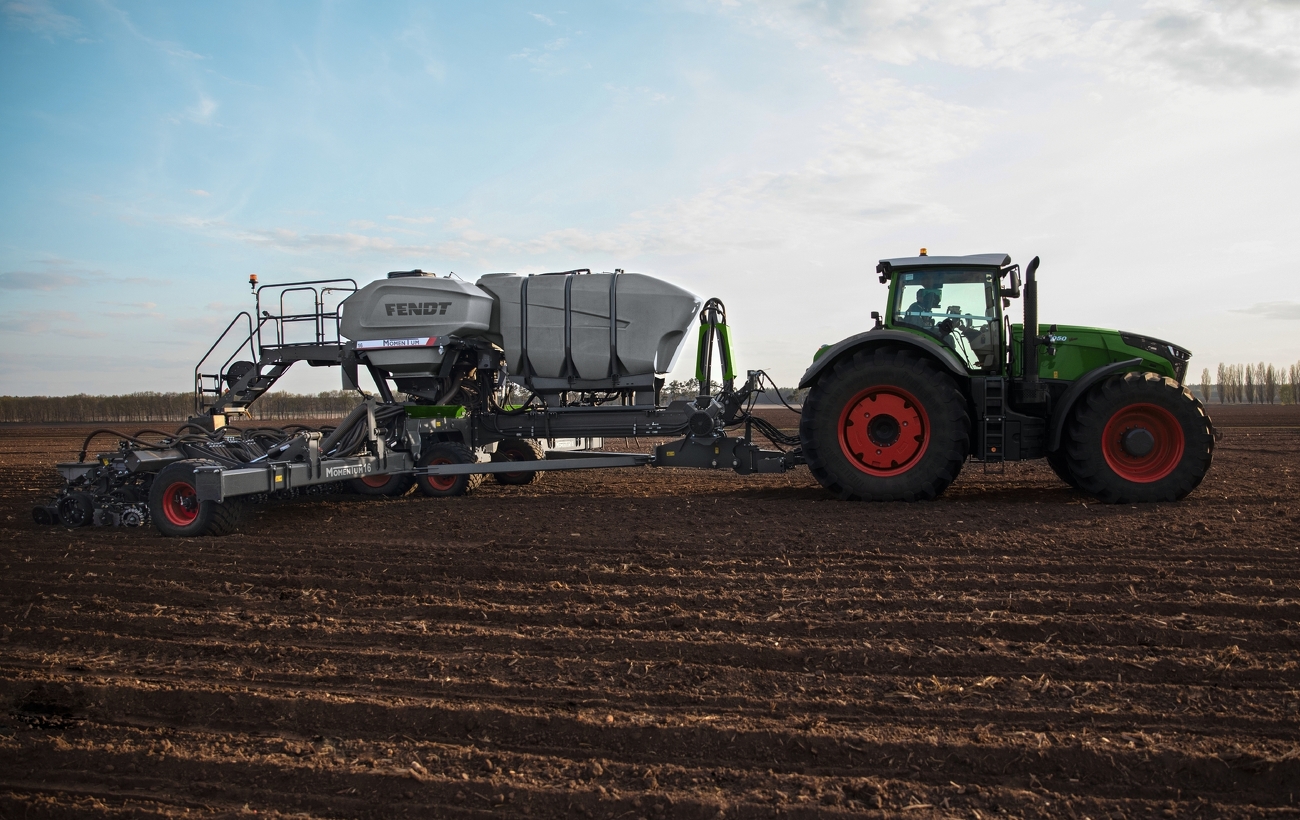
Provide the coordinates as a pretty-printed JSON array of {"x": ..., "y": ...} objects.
[
  {"x": 233, "y": 447},
  {"x": 771, "y": 432},
  {"x": 352, "y": 432}
]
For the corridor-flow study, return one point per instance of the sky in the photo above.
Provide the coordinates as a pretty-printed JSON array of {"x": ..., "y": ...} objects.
[{"x": 153, "y": 155}]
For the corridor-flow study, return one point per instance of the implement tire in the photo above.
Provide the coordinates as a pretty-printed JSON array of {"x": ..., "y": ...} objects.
[
  {"x": 381, "y": 485},
  {"x": 885, "y": 425},
  {"x": 1139, "y": 437},
  {"x": 448, "y": 452},
  {"x": 518, "y": 449},
  {"x": 175, "y": 508}
]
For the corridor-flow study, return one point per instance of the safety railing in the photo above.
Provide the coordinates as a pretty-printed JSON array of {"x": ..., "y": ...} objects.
[
  {"x": 264, "y": 329},
  {"x": 322, "y": 321},
  {"x": 211, "y": 384}
]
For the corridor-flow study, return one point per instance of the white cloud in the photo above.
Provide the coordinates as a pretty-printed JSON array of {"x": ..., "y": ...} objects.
[
  {"x": 24, "y": 280},
  {"x": 165, "y": 46},
  {"x": 284, "y": 239},
  {"x": 1242, "y": 43},
  {"x": 1273, "y": 310},
  {"x": 202, "y": 111},
  {"x": 199, "y": 192},
  {"x": 413, "y": 220},
  {"x": 57, "y": 274},
  {"x": 871, "y": 168},
  {"x": 41, "y": 17},
  {"x": 417, "y": 40}
]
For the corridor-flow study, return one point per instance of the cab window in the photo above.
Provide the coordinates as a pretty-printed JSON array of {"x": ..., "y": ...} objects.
[{"x": 959, "y": 308}]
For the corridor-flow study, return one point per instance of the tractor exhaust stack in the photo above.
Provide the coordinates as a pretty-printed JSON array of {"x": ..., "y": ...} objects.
[{"x": 1031, "y": 390}]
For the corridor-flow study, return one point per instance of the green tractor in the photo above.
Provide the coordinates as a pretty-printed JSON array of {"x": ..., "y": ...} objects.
[{"x": 892, "y": 414}]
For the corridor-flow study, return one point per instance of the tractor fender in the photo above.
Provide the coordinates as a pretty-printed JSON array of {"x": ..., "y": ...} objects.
[
  {"x": 1076, "y": 391},
  {"x": 877, "y": 338}
]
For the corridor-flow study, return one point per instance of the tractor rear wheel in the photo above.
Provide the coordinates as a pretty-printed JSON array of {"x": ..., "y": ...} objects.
[
  {"x": 381, "y": 484},
  {"x": 1060, "y": 464},
  {"x": 176, "y": 510},
  {"x": 885, "y": 425},
  {"x": 448, "y": 452},
  {"x": 518, "y": 449},
  {"x": 1139, "y": 437}
]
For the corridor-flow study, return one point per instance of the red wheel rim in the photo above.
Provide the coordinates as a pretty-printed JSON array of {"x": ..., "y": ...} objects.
[
  {"x": 884, "y": 431},
  {"x": 1126, "y": 437},
  {"x": 180, "y": 503},
  {"x": 441, "y": 482},
  {"x": 375, "y": 481},
  {"x": 509, "y": 454}
]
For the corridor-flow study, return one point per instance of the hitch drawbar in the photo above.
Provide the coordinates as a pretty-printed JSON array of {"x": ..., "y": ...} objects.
[{"x": 716, "y": 452}]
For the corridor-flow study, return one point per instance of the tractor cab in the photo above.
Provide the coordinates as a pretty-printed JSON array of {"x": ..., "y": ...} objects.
[{"x": 955, "y": 300}]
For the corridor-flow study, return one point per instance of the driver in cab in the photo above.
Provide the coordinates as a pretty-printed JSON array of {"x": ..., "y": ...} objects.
[{"x": 918, "y": 313}]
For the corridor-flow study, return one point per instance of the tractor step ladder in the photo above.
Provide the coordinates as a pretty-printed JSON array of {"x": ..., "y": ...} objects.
[{"x": 994, "y": 423}]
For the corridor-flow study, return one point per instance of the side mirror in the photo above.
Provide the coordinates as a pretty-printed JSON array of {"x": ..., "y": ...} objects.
[{"x": 1014, "y": 291}]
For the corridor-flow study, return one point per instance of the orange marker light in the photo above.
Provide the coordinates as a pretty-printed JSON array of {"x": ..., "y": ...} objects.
[
  {"x": 923, "y": 253},
  {"x": 252, "y": 281}
]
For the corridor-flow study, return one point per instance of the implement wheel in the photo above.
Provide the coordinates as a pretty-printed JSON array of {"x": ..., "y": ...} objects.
[
  {"x": 1139, "y": 437},
  {"x": 75, "y": 510},
  {"x": 448, "y": 452},
  {"x": 175, "y": 507},
  {"x": 518, "y": 449},
  {"x": 885, "y": 425},
  {"x": 381, "y": 484}
]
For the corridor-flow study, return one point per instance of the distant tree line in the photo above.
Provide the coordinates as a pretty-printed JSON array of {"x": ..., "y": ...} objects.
[
  {"x": 1251, "y": 384},
  {"x": 690, "y": 388},
  {"x": 163, "y": 407}
]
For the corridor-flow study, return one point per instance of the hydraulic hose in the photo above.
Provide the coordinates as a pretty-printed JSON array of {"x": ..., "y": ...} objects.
[{"x": 358, "y": 413}]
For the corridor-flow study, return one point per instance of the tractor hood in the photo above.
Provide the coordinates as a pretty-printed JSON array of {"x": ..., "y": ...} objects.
[{"x": 1080, "y": 349}]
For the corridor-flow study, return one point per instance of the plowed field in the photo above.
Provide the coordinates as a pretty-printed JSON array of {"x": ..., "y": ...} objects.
[{"x": 663, "y": 644}]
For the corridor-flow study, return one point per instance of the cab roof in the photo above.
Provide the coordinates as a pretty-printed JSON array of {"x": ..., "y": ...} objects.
[{"x": 990, "y": 260}]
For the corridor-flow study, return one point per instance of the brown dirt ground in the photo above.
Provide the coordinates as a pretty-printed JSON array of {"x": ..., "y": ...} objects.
[{"x": 662, "y": 644}]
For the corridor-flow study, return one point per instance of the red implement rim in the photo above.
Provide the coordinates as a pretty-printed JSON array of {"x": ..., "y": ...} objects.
[
  {"x": 180, "y": 503},
  {"x": 441, "y": 482},
  {"x": 1164, "y": 456},
  {"x": 376, "y": 481},
  {"x": 899, "y": 416},
  {"x": 508, "y": 454}
]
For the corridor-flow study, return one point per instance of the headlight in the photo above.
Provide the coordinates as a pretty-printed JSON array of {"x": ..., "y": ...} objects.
[{"x": 1177, "y": 356}]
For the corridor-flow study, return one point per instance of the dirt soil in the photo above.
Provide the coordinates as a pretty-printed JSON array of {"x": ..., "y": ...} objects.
[{"x": 664, "y": 644}]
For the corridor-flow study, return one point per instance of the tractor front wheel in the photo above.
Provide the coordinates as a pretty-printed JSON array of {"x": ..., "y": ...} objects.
[
  {"x": 1139, "y": 437},
  {"x": 885, "y": 425},
  {"x": 441, "y": 486},
  {"x": 176, "y": 510}
]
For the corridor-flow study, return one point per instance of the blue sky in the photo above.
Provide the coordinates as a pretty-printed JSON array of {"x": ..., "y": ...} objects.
[{"x": 154, "y": 155}]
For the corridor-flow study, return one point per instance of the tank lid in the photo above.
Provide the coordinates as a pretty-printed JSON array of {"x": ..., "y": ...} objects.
[{"x": 402, "y": 274}]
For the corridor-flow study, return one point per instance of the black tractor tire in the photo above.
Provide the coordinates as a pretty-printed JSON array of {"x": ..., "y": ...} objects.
[
  {"x": 900, "y": 392},
  {"x": 393, "y": 485},
  {"x": 1060, "y": 464},
  {"x": 1139, "y": 437},
  {"x": 518, "y": 449},
  {"x": 176, "y": 511},
  {"x": 447, "y": 452}
]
